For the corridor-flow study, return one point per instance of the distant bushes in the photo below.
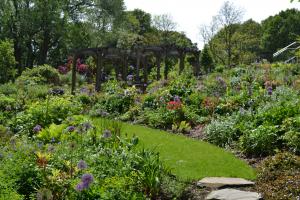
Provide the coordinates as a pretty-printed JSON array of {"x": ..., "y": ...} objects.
[{"x": 44, "y": 74}]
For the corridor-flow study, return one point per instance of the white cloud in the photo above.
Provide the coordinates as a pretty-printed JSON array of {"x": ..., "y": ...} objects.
[{"x": 190, "y": 14}]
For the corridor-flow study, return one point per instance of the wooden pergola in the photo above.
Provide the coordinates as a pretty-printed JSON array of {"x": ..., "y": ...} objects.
[{"x": 138, "y": 53}]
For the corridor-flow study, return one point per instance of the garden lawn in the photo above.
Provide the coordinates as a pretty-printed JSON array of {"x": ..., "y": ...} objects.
[{"x": 188, "y": 158}]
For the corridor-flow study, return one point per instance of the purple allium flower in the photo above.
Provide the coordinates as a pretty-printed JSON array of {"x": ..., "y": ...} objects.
[
  {"x": 86, "y": 126},
  {"x": 37, "y": 128},
  {"x": 176, "y": 98},
  {"x": 87, "y": 179},
  {"x": 130, "y": 77},
  {"x": 81, "y": 165},
  {"x": 71, "y": 128},
  {"x": 80, "y": 187},
  {"x": 270, "y": 90},
  {"x": 106, "y": 133}
]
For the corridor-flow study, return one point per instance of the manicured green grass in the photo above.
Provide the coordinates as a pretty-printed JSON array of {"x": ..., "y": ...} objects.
[{"x": 189, "y": 158}]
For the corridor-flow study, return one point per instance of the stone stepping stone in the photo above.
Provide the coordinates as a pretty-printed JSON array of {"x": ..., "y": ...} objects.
[
  {"x": 232, "y": 194},
  {"x": 216, "y": 182}
]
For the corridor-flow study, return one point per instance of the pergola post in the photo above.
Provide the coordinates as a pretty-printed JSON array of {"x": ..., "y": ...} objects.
[
  {"x": 158, "y": 61},
  {"x": 145, "y": 67},
  {"x": 124, "y": 68},
  {"x": 99, "y": 71},
  {"x": 197, "y": 63},
  {"x": 74, "y": 74},
  {"x": 166, "y": 71},
  {"x": 138, "y": 64},
  {"x": 181, "y": 61}
]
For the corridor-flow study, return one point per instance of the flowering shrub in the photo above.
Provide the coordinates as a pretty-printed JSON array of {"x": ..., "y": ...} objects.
[
  {"x": 52, "y": 110},
  {"x": 80, "y": 67},
  {"x": 174, "y": 105},
  {"x": 87, "y": 166}
]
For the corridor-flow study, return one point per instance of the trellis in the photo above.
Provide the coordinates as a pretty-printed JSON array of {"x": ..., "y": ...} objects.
[{"x": 140, "y": 55}]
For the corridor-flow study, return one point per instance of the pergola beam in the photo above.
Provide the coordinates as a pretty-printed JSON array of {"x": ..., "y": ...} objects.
[{"x": 140, "y": 54}]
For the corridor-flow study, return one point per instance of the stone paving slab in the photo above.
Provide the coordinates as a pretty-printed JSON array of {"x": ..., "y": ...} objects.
[
  {"x": 223, "y": 181},
  {"x": 232, "y": 194}
]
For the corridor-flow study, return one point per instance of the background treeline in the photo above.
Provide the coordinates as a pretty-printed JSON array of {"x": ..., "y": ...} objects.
[
  {"x": 230, "y": 42},
  {"x": 45, "y": 31}
]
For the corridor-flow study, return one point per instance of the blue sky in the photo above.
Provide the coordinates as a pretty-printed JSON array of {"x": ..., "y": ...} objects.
[{"x": 190, "y": 14}]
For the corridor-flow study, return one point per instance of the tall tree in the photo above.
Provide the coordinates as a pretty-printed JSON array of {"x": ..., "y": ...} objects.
[
  {"x": 7, "y": 61},
  {"x": 165, "y": 26},
  {"x": 206, "y": 59},
  {"x": 279, "y": 31},
  {"x": 247, "y": 42},
  {"x": 229, "y": 15}
]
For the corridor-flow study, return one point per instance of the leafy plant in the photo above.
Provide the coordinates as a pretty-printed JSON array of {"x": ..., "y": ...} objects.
[
  {"x": 182, "y": 127},
  {"x": 221, "y": 132}
]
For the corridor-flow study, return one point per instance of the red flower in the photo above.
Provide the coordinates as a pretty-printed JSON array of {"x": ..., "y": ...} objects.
[
  {"x": 82, "y": 68},
  {"x": 174, "y": 105}
]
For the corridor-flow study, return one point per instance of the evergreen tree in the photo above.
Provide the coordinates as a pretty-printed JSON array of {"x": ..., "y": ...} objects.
[{"x": 206, "y": 59}]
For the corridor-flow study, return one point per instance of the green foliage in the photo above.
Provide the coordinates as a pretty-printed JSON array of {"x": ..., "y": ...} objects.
[
  {"x": 182, "y": 127},
  {"x": 221, "y": 132},
  {"x": 7, "y": 192},
  {"x": 8, "y": 89},
  {"x": 260, "y": 141},
  {"x": 7, "y": 62},
  {"x": 276, "y": 172},
  {"x": 53, "y": 132},
  {"x": 206, "y": 59},
  {"x": 39, "y": 75},
  {"x": 275, "y": 38},
  {"x": 51, "y": 110},
  {"x": 120, "y": 170}
]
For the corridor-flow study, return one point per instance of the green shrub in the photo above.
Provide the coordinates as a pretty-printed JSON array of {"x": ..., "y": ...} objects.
[
  {"x": 44, "y": 74},
  {"x": 7, "y": 108},
  {"x": 263, "y": 140},
  {"x": 53, "y": 132},
  {"x": 182, "y": 127},
  {"x": 160, "y": 118},
  {"x": 37, "y": 91},
  {"x": 221, "y": 132},
  {"x": 115, "y": 102},
  {"x": 17, "y": 168},
  {"x": 54, "y": 109},
  {"x": 6, "y": 103},
  {"x": 8, "y": 89},
  {"x": 292, "y": 139}
]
